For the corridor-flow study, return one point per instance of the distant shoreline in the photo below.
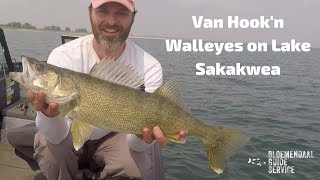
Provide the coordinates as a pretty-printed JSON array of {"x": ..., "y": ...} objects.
[
  {"x": 74, "y": 32},
  {"x": 42, "y": 30}
]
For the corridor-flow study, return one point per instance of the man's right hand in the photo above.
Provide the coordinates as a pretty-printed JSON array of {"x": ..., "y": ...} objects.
[{"x": 38, "y": 100}]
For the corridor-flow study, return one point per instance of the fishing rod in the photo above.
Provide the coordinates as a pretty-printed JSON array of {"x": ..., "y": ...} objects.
[{"x": 219, "y": 94}]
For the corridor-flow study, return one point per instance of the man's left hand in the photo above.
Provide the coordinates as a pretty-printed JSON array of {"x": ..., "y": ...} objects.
[{"x": 158, "y": 135}]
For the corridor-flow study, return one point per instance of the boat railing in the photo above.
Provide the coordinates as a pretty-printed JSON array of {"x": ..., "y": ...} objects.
[
  {"x": 9, "y": 90},
  {"x": 5, "y": 51}
]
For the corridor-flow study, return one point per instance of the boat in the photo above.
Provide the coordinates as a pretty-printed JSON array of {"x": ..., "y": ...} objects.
[{"x": 16, "y": 112}]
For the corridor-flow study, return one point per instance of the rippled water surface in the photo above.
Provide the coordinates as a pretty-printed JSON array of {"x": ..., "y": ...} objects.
[{"x": 279, "y": 113}]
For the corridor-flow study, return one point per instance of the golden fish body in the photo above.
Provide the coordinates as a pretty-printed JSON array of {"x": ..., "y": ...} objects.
[{"x": 89, "y": 99}]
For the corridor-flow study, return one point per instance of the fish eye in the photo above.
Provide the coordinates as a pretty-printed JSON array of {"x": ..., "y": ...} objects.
[{"x": 39, "y": 67}]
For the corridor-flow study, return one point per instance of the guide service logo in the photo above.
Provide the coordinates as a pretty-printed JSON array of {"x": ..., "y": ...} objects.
[{"x": 278, "y": 161}]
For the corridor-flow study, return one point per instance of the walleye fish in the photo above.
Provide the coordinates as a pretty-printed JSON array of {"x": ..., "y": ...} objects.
[{"x": 109, "y": 98}]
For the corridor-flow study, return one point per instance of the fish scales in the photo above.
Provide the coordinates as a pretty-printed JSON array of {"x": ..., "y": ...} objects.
[
  {"x": 126, "y": 109},
  {"x": 103, "y": 99}
]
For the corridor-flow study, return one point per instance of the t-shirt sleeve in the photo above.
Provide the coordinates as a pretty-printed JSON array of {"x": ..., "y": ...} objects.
[{"x": 153, "y": 78}]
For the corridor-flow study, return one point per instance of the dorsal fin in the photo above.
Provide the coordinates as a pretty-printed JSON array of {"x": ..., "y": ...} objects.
[
  {"x": 117, "y": 72},
  {"x": 171, "y": 91}
]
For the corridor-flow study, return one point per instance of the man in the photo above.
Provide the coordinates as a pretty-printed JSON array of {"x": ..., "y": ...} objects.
[{"x": 107, "y": 154}]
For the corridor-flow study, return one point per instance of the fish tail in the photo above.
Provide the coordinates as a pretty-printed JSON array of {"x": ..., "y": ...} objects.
[{"x": 220, "y": 144}]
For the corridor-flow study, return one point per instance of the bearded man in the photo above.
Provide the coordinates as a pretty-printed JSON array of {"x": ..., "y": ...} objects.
[{"x": 107, "y": 154}]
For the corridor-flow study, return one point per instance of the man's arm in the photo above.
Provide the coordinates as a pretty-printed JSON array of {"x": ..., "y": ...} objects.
[{"x": 53, "y": 128}]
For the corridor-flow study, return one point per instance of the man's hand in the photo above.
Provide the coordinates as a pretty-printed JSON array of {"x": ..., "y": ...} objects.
[
  {"x": 158, "y": 135},
  {"x": 38, "y": 100}
]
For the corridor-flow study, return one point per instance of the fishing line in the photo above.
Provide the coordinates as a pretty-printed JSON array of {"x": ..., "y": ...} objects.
[{"x": 219, "y": 94}]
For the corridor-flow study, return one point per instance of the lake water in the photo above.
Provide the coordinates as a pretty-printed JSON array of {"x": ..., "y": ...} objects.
[{"x": 279, "y": 113}]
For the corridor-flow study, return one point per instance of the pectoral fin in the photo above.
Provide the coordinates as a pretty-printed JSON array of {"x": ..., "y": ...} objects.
[
  {"x": 81, "y": 132},
  {"x": 67, "y": 108}
]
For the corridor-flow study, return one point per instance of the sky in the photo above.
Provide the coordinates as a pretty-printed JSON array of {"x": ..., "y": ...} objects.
[{"x": 173, "y": 18}]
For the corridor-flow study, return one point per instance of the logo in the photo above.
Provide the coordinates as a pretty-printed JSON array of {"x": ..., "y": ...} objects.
[{"x": 277, "y": 161}]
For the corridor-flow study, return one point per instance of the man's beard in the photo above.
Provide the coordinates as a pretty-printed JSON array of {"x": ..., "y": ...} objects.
[{"x": 110, "y": 43}]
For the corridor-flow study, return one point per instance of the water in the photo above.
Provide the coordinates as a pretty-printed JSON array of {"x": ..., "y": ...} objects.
[{"x": 279, "y": 113}]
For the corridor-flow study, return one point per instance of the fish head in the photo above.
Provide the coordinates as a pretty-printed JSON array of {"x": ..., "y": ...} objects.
[{"x": 36, "y": 75}]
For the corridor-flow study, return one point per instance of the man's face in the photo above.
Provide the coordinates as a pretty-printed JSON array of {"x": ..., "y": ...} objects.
[{"x": 111, "y": 24}]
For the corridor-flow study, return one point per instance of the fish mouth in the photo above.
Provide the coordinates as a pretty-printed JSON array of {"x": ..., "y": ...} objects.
[{"x": 27, "y": 75}]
